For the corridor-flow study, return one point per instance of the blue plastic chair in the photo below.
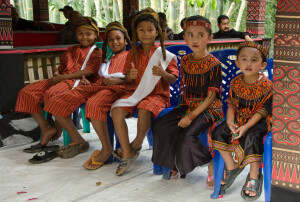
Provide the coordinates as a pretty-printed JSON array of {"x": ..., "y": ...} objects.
[{"x": 229, "y": 70}]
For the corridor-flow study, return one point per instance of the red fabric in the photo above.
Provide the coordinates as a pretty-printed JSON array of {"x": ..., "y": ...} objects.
[{"x": 159, "y": 98}]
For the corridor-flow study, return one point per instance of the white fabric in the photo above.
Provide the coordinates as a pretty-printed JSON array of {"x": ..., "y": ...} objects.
[
  {"x": 103, "y": 71},
  {"x": 148, "y": 80},
  {"x": 84, "y": 64}
]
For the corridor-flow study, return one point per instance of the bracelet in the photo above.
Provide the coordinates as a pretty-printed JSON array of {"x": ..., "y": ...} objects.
[{"x": 191, "y": 116}]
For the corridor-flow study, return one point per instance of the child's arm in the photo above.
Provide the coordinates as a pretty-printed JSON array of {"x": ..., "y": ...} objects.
[
  {"x": 159, "y": 71},
  {"x": 75, "y": 75},
  {"x": 113, "y": 81},
  {"x": 187, "y": 120},
  {"x": 251, "y": 122},
  {"x": 131, "y": 74}
]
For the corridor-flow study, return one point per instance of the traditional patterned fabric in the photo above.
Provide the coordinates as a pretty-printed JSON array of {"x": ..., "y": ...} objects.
[
  {"x": 286, "y": 127},
  {"x": 175, "y": 147},
  {"x": 98, "y": 97},
  {"x": 31, "y": 96},
  {"x": 255, "y": 24},
  {"x": 6, "y": 41},
  {"x": 200, "y": 23},
  {"x": 159, "y": 98},
  {"x": 246, "y": 100}
]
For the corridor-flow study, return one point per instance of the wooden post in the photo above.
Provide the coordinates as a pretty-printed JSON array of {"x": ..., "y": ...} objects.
[
  {"x": 256, "y": 10},
  {"x": 40, "y": 10},
  {"x": 6, "y": 39},
  {"x": 129, "y": 6}
]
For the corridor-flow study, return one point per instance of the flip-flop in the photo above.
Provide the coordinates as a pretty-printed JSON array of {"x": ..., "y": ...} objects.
[
  {"x": 230, "y": 176},
  {"x": 72, "y": 150},
  {"x": 43, "y": 157},
  {"x": 94, "y": 163},
  {"x": 126, "y": 163},
  {"x": 118, "y": 152},
  {"x": 252, "y": 185},
  {"x": 38, "y": 147}
]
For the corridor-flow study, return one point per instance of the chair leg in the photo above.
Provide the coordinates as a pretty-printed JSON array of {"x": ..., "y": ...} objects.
[
  {"x": 218, "y": 174},
  {"x": 268, "y": 166},
  {"x": 157, "y": 170},
  {"x": 166, "y": 173},
  {"x": 66, "y": 137},
  {"x": 111, "y": 131},
  {"x": 150, "y": 138},
  {"x": 86, "y": 123}
]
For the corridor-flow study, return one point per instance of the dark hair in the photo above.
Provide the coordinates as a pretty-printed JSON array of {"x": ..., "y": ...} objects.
[
  {"x": 87, "y": 21},
  {"x": 182, "y": 22},
  {"x": 162, "y": 16},
  {"x": 148, "y": 18},
  {"x": 199, "y": 17},
  {"x": 222, "y": 17},
  {"x": 263, "y": 57}
]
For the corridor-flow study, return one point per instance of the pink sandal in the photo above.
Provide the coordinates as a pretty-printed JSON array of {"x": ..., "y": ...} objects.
[
  {"x": 174, "y": 176},
  {"x": 209, "y": 179}
]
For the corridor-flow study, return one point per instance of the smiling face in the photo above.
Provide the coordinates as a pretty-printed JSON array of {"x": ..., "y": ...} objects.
[
  {"x": 85, "y": 36},
  {"x": 224, "y": 25},
  {"x": 197, "y": 37},
  {"x": 250, "y": 62},
  {"x": 116, "y": 41},
  {"x": 146, "y": 33}
]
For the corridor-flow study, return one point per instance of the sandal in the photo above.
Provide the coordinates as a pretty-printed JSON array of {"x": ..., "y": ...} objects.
[
  {"x": 229, "y": 177},
  {"x": 209, "y": 179},
  {"x": 118, "y": 152},
  {"x": 94, "y": 163},
  {"x": 174, "y": 176},
  {"x": 72, "y": 150},
  {"x": 126, "y": 163},
  {"x": 252, "y": 185},
  {"x": 38, "y": 147},
  {"x": 43, "y": 157}
]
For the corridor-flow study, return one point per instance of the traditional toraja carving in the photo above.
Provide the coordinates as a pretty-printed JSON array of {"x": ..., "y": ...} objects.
[
  {"x": 40, "y": 10},
  {"x": 286, "y": 110},
  {"x": 256, "y": 10},
  {"x": 6, "y": 41}
]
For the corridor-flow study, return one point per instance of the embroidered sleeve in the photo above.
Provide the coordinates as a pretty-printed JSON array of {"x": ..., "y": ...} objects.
[
  {"x": 215, "y": 79},
  {"x": 94, "y": 62}
]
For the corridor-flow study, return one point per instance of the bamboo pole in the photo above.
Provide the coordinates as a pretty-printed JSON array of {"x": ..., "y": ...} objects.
[
  {"x": 87, "y": 8},
  {"x": 239, "y": 18},
  {"x": 106, "y": 8},
  {"x": 230, "y": 9},
  {"x": 116, "y": 11},
  {"x": 154, "y": 5}
]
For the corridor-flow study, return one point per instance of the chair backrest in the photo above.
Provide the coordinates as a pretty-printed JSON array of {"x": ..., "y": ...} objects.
[
  {"x": 179, "y": 51},
  {"x": 229, "y": 71},
  {"x": 269, "y": 68}
]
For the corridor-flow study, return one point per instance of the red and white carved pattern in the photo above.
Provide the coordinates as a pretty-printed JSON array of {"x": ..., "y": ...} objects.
[{"x": 256, "y": 10}]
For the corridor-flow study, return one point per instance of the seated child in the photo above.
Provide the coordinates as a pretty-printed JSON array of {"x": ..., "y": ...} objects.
[
  {"x": 99, "y": 96},
  {"x": 149, "y": 70},
  {"x": 249, "y": 118},
  {"x": 33, "y": 95},
  {"x": 176, "y": 142}
]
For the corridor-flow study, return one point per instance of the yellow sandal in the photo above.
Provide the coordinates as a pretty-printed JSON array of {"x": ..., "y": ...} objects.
[{"x": 94, "y": 163}]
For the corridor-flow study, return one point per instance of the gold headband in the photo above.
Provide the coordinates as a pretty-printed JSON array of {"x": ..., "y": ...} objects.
[
  {"x": 92, "y": 26},
  {"x": 200, "y": 23},
  {"x": 147, "y": 11},
  {"x": 252, "y": 44},
  {"x": 115, "y": 26}
]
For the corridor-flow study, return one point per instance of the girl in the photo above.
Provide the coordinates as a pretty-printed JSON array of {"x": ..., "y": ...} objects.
[
  {"x": 149, "y": 70},
  {"x": 249, "y": 118},
  {"x": 32, "y": 96},
  {"x": 176, "y": 143},
  {"x": 99, "y": 97}
]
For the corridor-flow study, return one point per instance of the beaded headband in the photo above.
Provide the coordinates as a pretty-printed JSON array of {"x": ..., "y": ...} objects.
[
  {"x": 254, "y": 45},
  {"x": 201, "y": 23}
]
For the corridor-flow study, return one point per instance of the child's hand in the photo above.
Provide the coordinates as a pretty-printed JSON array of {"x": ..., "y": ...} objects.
[
  {"x": 56, "y": 72},
  {"x": 184, "y": 122},
  {"x": 110, "y": 81},
  {"x": 232, "y": 126},
  {"x": 84, "y": 81},
  {"x": 56, "y": 79},
  {"x": 132, "y": 73},
  {"x": 241, "y": 131},
  {"x": 158, "y": 70}
]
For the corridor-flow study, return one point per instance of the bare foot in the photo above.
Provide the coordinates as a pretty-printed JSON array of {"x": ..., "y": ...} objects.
[
  {"x": 210, "y": 173},
  {"x": 47, "y": 135},
  {"x": 58, "y": 134},
  {"x": 174, "y": 174},
  {"x": 100, "y": 156}
]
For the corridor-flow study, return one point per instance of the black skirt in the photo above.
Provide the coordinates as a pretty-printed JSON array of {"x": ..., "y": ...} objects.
[
  {"x": 179, "y": 148},
  {"x": 249, "y": 147}
]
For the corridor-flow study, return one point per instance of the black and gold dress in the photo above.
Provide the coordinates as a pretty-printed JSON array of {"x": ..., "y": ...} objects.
[
  {"x": 179, "y": 148},
  {"x": 246, "y": 100}
]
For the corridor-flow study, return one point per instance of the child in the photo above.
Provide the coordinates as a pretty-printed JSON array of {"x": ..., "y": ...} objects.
[
  {"x": 149, "y": 70},
  {"x": 249, "y": 118},
  {"x": 99, "y": 97},
  {"x": 32, "y": 96},
  {"x": 176, "y": 143}
]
